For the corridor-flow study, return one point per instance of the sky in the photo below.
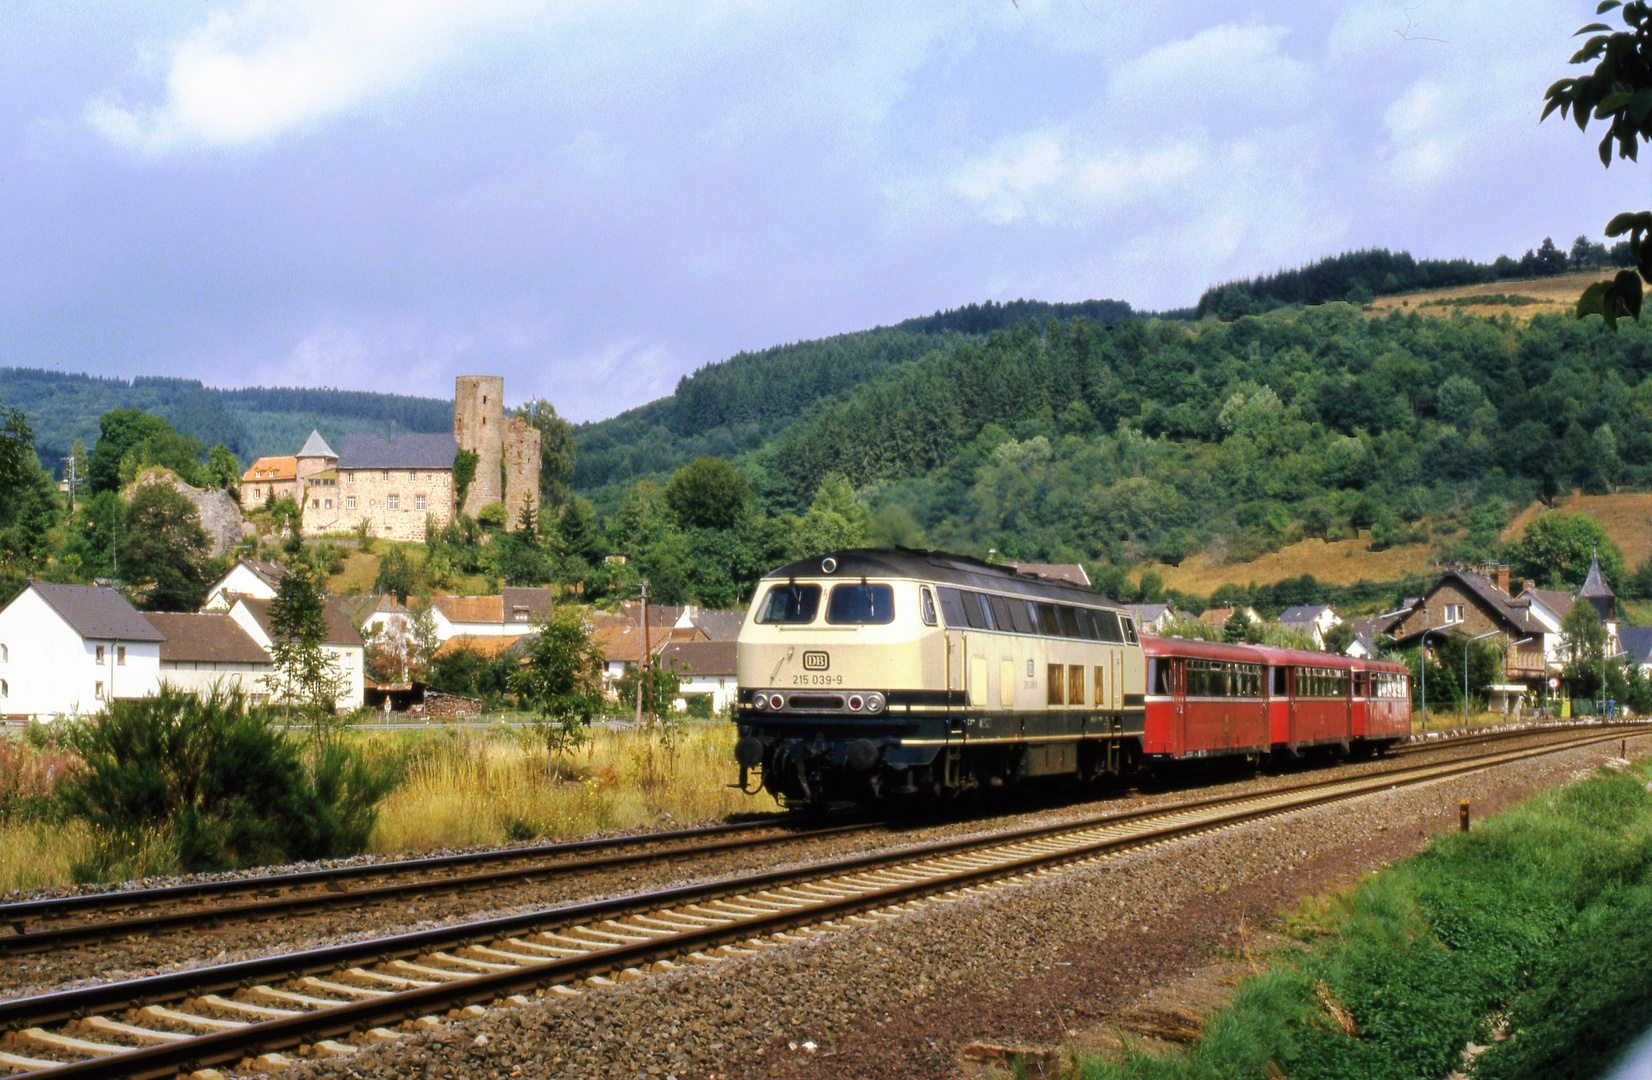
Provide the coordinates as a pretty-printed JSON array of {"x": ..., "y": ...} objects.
[{"x": 594, "y": 199}]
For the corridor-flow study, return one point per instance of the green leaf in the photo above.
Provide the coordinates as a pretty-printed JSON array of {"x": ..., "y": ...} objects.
[
  {"x": 1606, "y": 150},
  {"x": 1593, "y": 300},
  {"x": 1621, "y": 223},
  {"x": 1591, "y": 28},
  {"x": 1641, "y": 105},
  {"x": 1607, "y": 5},
  {"x": 1626, "y": 288},
  {"x": 1611, "y": 103}
]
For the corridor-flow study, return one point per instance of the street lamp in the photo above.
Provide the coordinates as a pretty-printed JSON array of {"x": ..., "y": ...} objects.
[
  {"x": 1422, "y": 666},
  {"x": 1466, "y": 644}
]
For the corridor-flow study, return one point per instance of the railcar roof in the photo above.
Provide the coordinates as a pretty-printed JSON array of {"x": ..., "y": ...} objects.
[
  {"x": 1155, "y": 645},
  {"x": 938, "y": 566}
]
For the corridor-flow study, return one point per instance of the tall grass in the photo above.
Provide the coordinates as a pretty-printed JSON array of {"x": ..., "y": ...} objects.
[{"x": 487, "y": 788}]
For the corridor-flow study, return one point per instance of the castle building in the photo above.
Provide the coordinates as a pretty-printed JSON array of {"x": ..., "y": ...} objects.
[{"x": 396, "y": 484}]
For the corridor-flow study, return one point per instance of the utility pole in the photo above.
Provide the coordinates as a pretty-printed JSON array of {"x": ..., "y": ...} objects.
[
  {"x": 73, "y": 480},
  {"x": 642, "y": 661}
]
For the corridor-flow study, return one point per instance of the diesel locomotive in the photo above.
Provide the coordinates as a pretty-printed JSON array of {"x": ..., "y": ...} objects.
[{"x": 874, "y": 674}]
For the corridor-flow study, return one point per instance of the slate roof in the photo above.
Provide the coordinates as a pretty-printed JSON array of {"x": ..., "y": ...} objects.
[
  {"x": 1516, "y": 614},
  {"x": 316, "y": 446},
  {"x": 1302, "y": 613},
  {"x": 340, "y": 630},
  {"x": 701, "y": 657},
  {"x": 96, "y": 612},
  {"x": 719, "y": 625},
  {"x": 205, "y": 638},
  {"x": 1636, "y": 642},
  {"x": 526, "y": 605},
  {"x": 1555, "y": 600},
  {"x": 407, "y": 451},
  {"x": 1594, "y": 585}
]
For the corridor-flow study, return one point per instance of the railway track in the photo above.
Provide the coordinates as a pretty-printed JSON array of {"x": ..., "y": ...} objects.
[
  {"x": 254, "y": 1012},
  {"x": 55, "y": 923}
]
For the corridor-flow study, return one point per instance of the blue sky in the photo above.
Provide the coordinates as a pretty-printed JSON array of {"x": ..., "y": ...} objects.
[{"x": 596, "y": 198}]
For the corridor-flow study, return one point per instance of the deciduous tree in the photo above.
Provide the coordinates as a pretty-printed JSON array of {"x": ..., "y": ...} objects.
[{"x": 164, "y": 552}]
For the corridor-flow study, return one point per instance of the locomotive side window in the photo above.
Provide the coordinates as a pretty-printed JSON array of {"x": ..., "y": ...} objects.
[
  {"x": 975, "y": 611},
  {"x": 1107, "y": 625},
  {"x": 952, "y": 608},
  {"x": 1069, "y": 621},
  {"x": 1049, "y": 623},
  {"x": 1021, "y": 612},
  {"x": 1055, "y": 684},
  {"x": 790, "y": 604},
  {"x": 927, "y": 603},
  {"x": 1002, "y": 617},
  {"x": 861, "y": 604}
]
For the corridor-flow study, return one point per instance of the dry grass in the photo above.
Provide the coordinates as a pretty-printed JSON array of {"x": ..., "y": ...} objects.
[
  {"x": 494, "y": 787},
  {"x": 1340, "y": 562},
  {"x": 361, "y": 569},
  {"x": 1626, "y": 517},
  {"x": 36, "y": 853},
  {"x": 1555, "y": 295}
]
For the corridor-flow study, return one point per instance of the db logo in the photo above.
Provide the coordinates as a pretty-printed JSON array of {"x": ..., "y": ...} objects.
[{"x": 816, "y": 661}]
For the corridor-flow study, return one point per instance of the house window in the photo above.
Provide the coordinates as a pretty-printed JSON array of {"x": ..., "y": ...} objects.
[
  {"x": 99, "y": 691},
  {"x": 100, "y": 657},
  {"x": 418, "y": 502},
  {"x": 5, "y": 691},
  {"x": 394, "y": 502},
  {"x": 387, "y": 476},
  {"x": 1454, "y": 613},
  {"x": 5, "y": 654},
  {"x": 349, "y": 502},
  {"x": 349, "y": 478},
  {"x": 120, "y": 654},
  {"x": 315, "y": 504},
  {"x": 329, "y": 504}
]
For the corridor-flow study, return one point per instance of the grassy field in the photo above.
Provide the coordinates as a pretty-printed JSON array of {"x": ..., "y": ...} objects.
[
  {"x": 1340, "y": 562},
  {"x": 1626, "y": 517},
  {"x": 361, "y": 569},
  {"x": 1542, "y": 295}
]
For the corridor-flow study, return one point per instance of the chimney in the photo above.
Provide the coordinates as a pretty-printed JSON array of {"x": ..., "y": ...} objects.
[
  {"x": 1528, "y": 586},
  {"x": 1503, "y": 577}
]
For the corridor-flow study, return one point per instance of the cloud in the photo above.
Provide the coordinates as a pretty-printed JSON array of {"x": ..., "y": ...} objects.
[{"x": 1223, "y": 69}]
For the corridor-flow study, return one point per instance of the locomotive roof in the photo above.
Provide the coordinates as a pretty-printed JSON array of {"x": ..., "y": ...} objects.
[{"x": 938, "y": 566}]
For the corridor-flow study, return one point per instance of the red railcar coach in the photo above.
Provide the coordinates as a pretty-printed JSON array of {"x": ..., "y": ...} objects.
[{"x": 1206, "y": 699}]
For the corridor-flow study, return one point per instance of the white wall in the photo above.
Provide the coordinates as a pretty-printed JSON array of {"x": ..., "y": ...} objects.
[
  {"x": 242, "y": 581},
  {"x": 446, "y": 629},
  {"x": 348, "y": 660},
  {"x": 50, "y": 671},
  {"x": 722, "y": 688},
  {"x": 202, "y": 676}
]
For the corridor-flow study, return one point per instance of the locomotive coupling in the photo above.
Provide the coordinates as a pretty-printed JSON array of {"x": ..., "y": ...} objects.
[{"x": 748, "y": 751}]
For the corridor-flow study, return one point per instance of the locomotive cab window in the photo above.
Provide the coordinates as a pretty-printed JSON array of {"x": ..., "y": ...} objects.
[
  {"x": 861, "y": 604},
  {"x": 927, "y": 602},
  {"x": 790, "y": 604},
  {"x": 1129, "y": 626},
  {"x": 1107, "y": 625}
]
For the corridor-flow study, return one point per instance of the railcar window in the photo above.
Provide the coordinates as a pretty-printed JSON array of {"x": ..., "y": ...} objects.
[
  {"x": 1279, "y": 681},
  {"x": 1025, "y": 620},
  {"x": 1129, "y": 625},
  {"x": 926, "y": 602},
  {"x": 974, "y": 611},
  {"x": 790, "y": 604},
  {"x": 1049, "y": 623},
  {"x": 1107, "y": 626},
  {"x": 861, "y": 604},
  {"x": 1055, "y": 684},
  {"x": 952, "y": 607},
  {"x": 1069, "y": 621},
  {"x": 1002, "y": 618}
]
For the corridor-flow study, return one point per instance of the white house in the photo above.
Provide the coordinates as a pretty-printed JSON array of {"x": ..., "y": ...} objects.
[
  {"x": 248, "y": 577},
  {"x": 203, "y": 651},
  {"x": 510, "y": 614},
  {"x": 703, "y": 667},
  {"x": 1315, "y": 620},
  {"x": 70, "y": 649},
  {"x": 343, "y": 643}
]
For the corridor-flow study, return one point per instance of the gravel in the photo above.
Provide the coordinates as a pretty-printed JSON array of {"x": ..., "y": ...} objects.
[{"x": 1023, "y": 964}]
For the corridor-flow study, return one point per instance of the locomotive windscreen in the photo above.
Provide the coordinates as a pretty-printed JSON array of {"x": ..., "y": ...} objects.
[
  {"x": 790, "y": 604},
  {"x": 861, "y": 604}
]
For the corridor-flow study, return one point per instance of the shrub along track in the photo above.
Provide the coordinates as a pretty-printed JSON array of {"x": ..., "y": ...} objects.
[
  {"x": 56, "y": 923},
  {"x": 255, "y": 1009}
]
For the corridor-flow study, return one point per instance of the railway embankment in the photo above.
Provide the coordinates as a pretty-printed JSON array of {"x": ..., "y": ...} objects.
[{"x": 1043, "y": 964}]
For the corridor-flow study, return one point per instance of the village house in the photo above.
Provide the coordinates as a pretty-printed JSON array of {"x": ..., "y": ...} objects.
[
  {"x": 343, "y": 644},
  {"x": 1219, "y": 616},
  {"x": 1315, "y": 620},
  {"x": 256, "y": 578},
  {"x": 1469, "y": 603},
  {"x": 66, "y": 650},
  {"x": 1373, "y": 633},
  {"x": 704, "y": 669},
  {"x": 203, "y": 651},
  {"x": 513, "y": 612}
]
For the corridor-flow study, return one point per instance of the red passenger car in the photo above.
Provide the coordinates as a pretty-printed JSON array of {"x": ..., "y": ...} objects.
[{"x": 1206, "y": 698}]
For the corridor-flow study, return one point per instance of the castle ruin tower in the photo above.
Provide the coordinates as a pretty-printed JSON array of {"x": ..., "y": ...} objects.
[
  {"x": 506, "y": 448},
  {"x": 478, "y": 424}
]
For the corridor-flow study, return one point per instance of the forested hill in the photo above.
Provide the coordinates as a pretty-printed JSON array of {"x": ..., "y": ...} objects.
[
  {"x": 735, "y": 405},
  {"x": 252, "y": 422}
]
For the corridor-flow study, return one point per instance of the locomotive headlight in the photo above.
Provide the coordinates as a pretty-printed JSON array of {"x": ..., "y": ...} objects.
[
  {"x": 874, "y": 702},
  {"x": 762, "y": 702}
]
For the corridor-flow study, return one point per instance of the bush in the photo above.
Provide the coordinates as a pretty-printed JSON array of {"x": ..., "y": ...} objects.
[{"x": 223, "y": 783}]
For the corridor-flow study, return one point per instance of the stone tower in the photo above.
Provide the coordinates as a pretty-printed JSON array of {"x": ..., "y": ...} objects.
[{"x": 506, "y": 448}]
